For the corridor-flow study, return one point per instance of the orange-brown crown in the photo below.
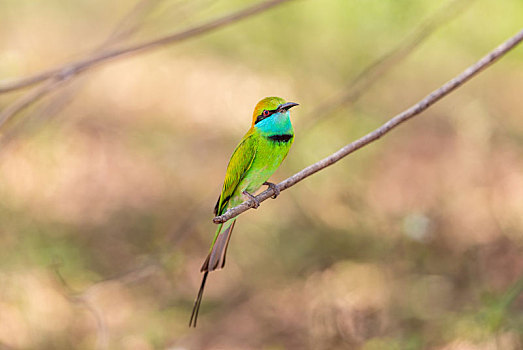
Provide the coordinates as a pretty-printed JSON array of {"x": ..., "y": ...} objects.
[{"x": 268, "y": 103}]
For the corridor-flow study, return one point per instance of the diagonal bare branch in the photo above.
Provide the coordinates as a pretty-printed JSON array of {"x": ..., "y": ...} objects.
[{"x": 413, "y": 111}]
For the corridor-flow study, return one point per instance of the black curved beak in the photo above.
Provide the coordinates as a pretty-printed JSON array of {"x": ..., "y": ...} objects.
[{"x": 287, "y": 106}]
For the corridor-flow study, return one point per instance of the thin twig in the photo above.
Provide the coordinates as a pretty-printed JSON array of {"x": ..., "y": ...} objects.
[
  {"x": 83, "y": 298},
  {"x": 130, "y": 23},
  {"x": 416, "y": 109},
  {"x": 102, "y": 337},
  {"x": 64, "y": 95},
  {"x": 31, "y": 97},
  {"x": 88, "y": 63}
]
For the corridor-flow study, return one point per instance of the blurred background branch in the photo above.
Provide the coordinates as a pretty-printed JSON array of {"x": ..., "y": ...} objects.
[
  {"x": 60, "y": 75},
  {"x": 82, "y": 299},
  {"x": 90, "y": 62},
  {"x": 369, "y": 75},
  {"x": 126, "y": 27}
]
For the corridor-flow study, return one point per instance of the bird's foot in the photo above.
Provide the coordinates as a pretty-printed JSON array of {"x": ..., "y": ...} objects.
[
  {"x": 253, "y": 202},
  {"x": 274, "y": 188}
]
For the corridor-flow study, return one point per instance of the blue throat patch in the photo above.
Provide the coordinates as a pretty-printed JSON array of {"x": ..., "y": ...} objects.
[{"x": 276, "y": 124}]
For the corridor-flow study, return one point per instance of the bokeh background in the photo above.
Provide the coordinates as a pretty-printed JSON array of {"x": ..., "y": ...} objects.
[{"x": 107, "y": 185}]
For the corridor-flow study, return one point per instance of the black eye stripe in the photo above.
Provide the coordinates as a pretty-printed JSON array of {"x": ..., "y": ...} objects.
[{"x": 262, "y": 117}]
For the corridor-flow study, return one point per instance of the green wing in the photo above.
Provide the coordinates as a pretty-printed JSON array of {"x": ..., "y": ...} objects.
[{"x": 240, "y": 162}]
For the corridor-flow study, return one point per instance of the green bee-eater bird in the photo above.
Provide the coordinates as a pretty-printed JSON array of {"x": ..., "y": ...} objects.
[{"x": 254, "y": 160}]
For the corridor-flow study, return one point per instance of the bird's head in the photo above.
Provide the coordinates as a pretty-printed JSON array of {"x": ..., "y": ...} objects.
[{"x": 270, "y": 106}]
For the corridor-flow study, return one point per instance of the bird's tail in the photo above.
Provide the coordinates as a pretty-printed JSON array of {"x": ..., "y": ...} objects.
[{"x": 215, "y": 260}]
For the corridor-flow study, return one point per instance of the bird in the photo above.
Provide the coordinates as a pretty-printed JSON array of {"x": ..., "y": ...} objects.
[{"x": 260, "y": 152}]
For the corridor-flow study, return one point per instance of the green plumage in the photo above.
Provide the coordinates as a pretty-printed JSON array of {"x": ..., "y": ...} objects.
[
  {"x": 255, "y": 159},
  {"x": 253, "y": 162}
]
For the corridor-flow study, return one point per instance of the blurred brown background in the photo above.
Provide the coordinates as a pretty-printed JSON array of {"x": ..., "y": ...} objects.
[{"x": 107, "y": 185}]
